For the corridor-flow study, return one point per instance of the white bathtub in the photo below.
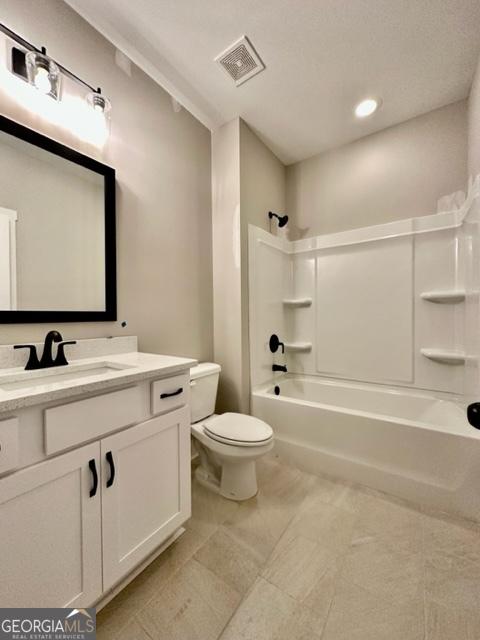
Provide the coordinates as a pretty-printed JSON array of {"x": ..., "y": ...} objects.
[{"x": 410, "y": 444}]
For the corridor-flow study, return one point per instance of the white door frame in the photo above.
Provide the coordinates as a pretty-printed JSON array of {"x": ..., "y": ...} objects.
[{"x": 12, "y": 218}]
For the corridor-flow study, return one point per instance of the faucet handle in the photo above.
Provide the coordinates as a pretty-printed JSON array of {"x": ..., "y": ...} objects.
[
  {"x": 33, "y": 361},
  {"x": 274, "y": 343},
  {"x": 61, "y": 360}
]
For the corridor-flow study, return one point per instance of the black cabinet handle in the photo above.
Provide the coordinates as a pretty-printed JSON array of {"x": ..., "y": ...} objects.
[
  {"x": 93, "y": 468},
  {"x": 170, "y": 395},
  {"x": 109, "y": 459}
]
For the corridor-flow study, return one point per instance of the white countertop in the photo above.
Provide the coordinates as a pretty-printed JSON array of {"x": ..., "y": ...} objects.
[{"x": 139, "y": 366}]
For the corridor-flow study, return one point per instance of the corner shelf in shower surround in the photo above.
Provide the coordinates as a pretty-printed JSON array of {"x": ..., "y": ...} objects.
[
  {"x": 451, "y": 296},
  {"x": 297, "y": 302},
  {"x": 298, "y": 346},
  {"x": 444, "y": 357}
]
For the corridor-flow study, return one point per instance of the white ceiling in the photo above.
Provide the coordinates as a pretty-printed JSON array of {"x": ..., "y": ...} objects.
[{"x": 322, "y": 57}]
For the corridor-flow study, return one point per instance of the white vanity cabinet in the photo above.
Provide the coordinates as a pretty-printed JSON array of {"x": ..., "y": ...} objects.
[
  {"x": 149, "y": 494},
  {"x": 50, "y": 533},
  {"x": 74, "y": 525}
]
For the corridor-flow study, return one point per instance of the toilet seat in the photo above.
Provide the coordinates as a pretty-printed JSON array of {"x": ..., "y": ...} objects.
[{"x": 238, "y": 430}]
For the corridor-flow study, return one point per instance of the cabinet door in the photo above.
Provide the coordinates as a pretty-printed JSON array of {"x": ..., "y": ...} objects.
[
  {"x": 146, "y": 490},
  {"x": 50, "y": 533}
]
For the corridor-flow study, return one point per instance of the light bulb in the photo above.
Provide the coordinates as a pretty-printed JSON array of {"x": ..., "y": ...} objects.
[
  {"x": 99, "y": 103},
  {"x": 42, "y": 80},
  {"x": 43, "y": 74},
  {"x": 366, "y": 108}
]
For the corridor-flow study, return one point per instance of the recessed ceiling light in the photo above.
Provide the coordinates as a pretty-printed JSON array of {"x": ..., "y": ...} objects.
[{"x": 366, "y": 107}]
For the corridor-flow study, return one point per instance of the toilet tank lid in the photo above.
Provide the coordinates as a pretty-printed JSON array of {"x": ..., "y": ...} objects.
[{"x": 204, "y": 369}]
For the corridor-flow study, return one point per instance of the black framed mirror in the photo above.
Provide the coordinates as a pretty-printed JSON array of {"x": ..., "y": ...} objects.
[{"x": 57, "y": 231}]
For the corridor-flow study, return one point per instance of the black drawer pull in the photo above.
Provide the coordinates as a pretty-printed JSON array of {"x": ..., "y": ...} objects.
[
  {"x": 170, "y": 395},
  {"x": 109, "y": 459},
  {"x": 93, "y": 468}
]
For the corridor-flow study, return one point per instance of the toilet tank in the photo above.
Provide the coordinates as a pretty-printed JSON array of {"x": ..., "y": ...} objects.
[{"x": 203, "y": 390}]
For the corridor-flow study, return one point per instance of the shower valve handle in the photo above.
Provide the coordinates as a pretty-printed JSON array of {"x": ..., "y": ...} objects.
[{"x": 274, "y": 343}]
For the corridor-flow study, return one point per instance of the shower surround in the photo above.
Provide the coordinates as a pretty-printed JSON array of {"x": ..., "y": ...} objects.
[{"x": 380, "y": 329}]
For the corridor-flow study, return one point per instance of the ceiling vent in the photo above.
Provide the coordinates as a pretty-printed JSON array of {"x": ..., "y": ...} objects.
[{"x": 240, "y": 61}]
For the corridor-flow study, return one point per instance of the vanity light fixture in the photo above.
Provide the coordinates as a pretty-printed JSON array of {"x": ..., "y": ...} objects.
[
  {"x": 32, "y": 64},
  {"x": 43, "y": 73},
  {"x": 99, "y": 103},
  {"x": 366, "y": 107}
]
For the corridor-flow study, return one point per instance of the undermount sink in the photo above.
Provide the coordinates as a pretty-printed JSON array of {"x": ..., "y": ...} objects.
[{"x": 38, "y": 378}]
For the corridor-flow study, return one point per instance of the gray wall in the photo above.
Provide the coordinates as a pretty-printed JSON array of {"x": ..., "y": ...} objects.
[
  {"x": 262, "y": 180},
  {"x": 227, "y": 296},
  {"x": 474, "y": 126},
  {"x": 262, "y": 189},
  {"x": 248, "y": 180},
  {"x": 399, "y": 172},
  {"x": 163, "y": 167}
]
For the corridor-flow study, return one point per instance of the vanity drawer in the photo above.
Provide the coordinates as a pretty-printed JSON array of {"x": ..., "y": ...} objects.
[
  {"x": 71, "y": 424},
  {"x": 170, "y": 393},
  {"x": 8, "y": 444}
]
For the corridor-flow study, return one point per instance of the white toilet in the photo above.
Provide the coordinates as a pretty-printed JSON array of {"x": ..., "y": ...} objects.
[{"x": 228, "y": 444}]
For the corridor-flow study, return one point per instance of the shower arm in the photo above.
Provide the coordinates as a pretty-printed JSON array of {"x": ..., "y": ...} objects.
[{"x": 282, "y": 220}]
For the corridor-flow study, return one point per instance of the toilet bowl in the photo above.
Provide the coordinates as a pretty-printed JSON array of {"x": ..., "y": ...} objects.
[{"x": 228, "y": 444}]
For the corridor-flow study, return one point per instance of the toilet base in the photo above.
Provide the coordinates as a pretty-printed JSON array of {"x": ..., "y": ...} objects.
[
  {"x": 225, "y": 469},
  {"x": 239, "y": 481}
]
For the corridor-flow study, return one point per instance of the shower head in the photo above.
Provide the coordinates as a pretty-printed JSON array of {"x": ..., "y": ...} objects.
[{"x": 282, "y": 220}]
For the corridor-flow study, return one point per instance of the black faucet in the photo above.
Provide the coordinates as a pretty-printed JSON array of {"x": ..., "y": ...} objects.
[
  {"x": 47, "y": 359},
  {"x": 279, "y": 367},
  {"x": 33, "y": 361},
  {"x": 61, "y": 359}
]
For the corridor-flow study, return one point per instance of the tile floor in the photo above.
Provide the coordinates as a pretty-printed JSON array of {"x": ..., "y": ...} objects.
[{"x": 307, "y": 559}]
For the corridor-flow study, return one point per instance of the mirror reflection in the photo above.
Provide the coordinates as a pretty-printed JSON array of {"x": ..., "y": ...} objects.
[{"x": 52, "y": 231}]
